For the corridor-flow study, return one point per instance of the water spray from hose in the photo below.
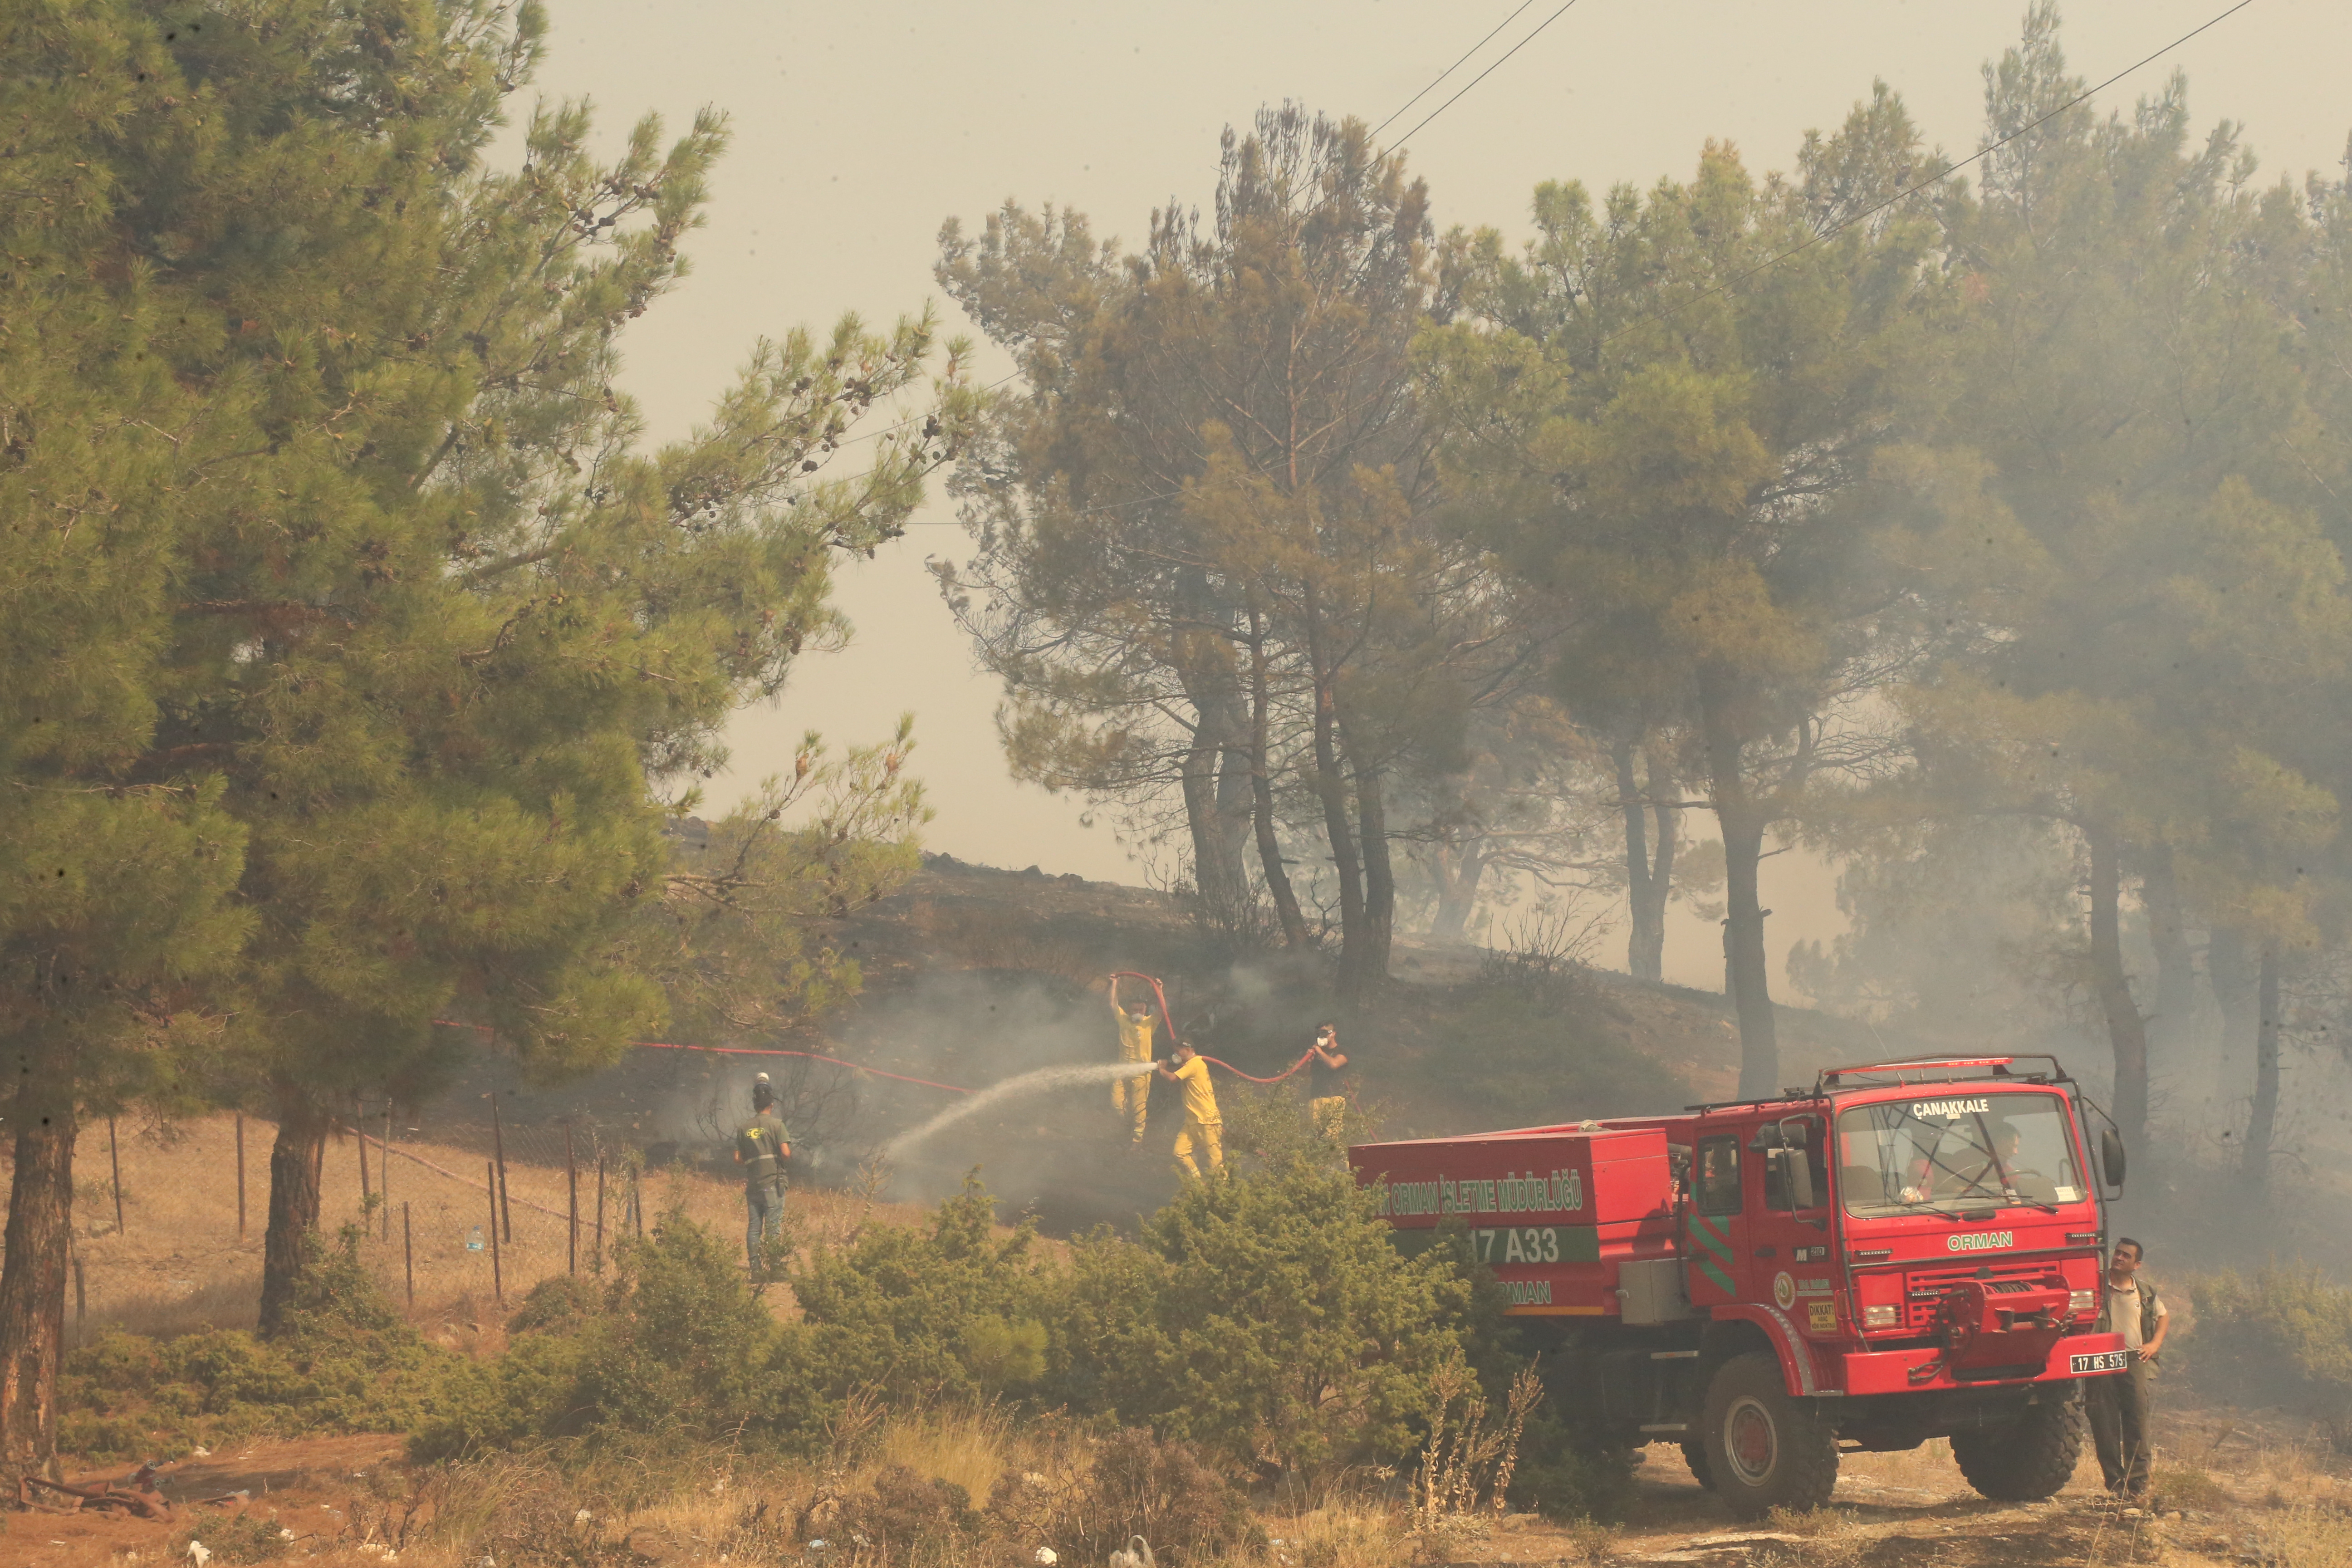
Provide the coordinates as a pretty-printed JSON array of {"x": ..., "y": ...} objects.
[{"x": 1026, "y": 1083}]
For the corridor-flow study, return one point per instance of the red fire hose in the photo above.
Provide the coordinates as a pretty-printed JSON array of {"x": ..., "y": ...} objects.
[
  {"x": 1166, "y": 1016},
  {"x": 1170, "y": 1019}
]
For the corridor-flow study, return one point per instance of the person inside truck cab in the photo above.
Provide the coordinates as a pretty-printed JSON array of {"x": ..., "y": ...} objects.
[
  {"x": 1715, "y": 1188},
  {"x": 1983, "y": 1166}
]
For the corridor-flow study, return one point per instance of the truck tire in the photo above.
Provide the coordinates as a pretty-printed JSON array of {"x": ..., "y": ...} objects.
[
  {"x": 1764, "y": 1450},
  {"x": 2027, "y": 1459},
  {"x": 1695, "y": 1456}
]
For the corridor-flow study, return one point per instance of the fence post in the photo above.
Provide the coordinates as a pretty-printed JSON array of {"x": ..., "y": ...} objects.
[
  {"x": 407, "y": 1252},
  {"x": 498, "y": 1147},
  {"x": 114, "y": 1156},
  {"x": 600, "y": 1211},
  {"x": 359, "y": 1129},
  {"x": 82, "y": 1302},
  {"x": 383, "y": 1172},
  {"x": 572, "y": 1187},
  {"x": 497, "y": 1285},
  {"x": 240, "y": 1176}
]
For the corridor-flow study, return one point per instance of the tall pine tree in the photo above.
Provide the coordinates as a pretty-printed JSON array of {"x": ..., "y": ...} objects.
[{"x": 432, "y": 637}]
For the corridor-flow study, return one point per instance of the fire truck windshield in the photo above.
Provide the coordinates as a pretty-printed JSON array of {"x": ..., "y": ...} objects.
[{"x": 1950, "y": 1150}]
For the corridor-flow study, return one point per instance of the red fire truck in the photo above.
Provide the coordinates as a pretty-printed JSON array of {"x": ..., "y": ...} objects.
[{"x": 1908, "y": 1250}]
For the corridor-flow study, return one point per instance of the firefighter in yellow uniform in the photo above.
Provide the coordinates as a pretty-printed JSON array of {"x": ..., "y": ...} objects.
[
  {"x": 1129, "y": 1096},
  {"x": 1204, "y": 1130}
]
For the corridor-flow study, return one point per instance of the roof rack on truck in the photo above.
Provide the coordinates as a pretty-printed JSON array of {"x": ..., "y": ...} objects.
[{"x": 1908, "y": 1070}]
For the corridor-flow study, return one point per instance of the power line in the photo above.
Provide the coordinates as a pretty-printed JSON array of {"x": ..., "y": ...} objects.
[
  {"x": 1449, "y": 70},
  {"x": 1490, "y": 71},
  {"x": 1981, "y": 153}
]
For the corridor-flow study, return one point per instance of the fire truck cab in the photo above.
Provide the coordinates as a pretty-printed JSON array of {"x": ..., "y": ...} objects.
[{"x": 1906, "y": 1250}]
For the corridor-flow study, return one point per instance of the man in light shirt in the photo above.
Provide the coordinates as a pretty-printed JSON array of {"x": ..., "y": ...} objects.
[{"x": 2119, "y": 1401}]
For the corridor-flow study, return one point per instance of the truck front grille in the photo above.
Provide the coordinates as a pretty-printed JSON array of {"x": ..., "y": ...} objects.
[{"x": 1924, "y": 1288}]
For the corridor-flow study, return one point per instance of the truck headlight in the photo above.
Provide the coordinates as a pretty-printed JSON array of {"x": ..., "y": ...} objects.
[
  {"x": 2082, "y": 1303},
  {"x": 1881, "y": 1317}
]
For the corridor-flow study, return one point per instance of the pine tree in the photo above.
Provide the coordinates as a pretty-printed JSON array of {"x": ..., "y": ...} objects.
[
  {"x": 2145, "y": 604},
  {"x": 1665, "y": 414},
  {"x": 1217, "y": 503},
  {"x": 429, "y": 631}
]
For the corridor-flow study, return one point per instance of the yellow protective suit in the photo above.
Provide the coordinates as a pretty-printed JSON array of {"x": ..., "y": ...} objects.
[
  {"x": 1131, "y": 1097},
  {"x": 1205, "y": 1127}
]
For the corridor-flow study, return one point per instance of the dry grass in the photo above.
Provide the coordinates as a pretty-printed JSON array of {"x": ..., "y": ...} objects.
[
  {"x": 972, "y": 1446},
  {"x": 1342, "y": 1534},
  {"x": 2189, "y": 1486},
  {"x": 179, "y": 1265},
  {"x": 2309, "y": 1536}
]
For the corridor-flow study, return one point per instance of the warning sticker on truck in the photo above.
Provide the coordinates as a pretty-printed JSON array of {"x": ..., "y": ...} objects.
[{"x": 1820, "y": 1317}]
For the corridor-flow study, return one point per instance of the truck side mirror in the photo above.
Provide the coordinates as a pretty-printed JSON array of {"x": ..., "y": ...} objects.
[
  {"x": 1797, "y": 1177},
  {"x": 2111, "y": 1156}
]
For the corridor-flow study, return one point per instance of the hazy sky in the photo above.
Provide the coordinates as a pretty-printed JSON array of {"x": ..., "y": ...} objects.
[{"x": 858, "y": 128}]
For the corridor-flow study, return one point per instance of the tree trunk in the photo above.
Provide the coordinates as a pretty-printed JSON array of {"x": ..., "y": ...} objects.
[
  {"x": 1648, "y": 874},
  {"x": 1330, "y": 789},
  {"x": 1667, "y": 817},
  {"x": 33, "y": 1279},
  {"x": 1218, "y": 874},
  {"x": 1743, "y": 825},
  {"x": 2231, "y": 974},
  {"x": 1196, "y": 778},
  {"x": 2176, "y": 970},
  {"x": 1637, "y": 855},
  {"x": 2127, "y": 1027},
  {"x": 2262, "y": 1125},
  {"x": 1269, "y": 843},
  {"x": 1460, "y": 869},
  {"x": 1233, "y": 805},
  {"x": 1369, "y": 973},
  {"x": 294, "y": 1163}
]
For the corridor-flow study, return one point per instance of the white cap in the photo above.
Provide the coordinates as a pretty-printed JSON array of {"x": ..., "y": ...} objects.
[{"x": 759, "y": 1078}]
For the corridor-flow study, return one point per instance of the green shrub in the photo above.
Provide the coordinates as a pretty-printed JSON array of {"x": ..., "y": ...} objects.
[
  {"x": 675, "y": 1348},
  {"x": 950, "y": 1309},
  {"x": 2283, "y": 1336},
  {"x": 1564, "y": 1479},
  {"x": 681, "y": 1342},
  {"x": 345, "y": 1362},
  {"x": 557, "y": 1303},
  {"x": 1267, "y": 1318}
]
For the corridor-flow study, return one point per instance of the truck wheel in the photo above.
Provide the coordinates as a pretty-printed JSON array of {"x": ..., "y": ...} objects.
[
  {"x": 1764, "y": 1450},
  {"x": 2026, "y": 1460},
  {"x": 1695, "y": 1456}
]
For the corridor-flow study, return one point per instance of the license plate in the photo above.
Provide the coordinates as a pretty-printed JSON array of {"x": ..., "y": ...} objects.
[{"x": 2105, "y": 1360}]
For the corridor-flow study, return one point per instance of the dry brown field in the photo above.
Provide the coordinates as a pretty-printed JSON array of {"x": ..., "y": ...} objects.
[{"x": 178, "y": 1263}]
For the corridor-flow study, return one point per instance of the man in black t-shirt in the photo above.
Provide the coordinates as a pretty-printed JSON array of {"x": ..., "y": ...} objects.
[
  {"x": 1326, "y": 1104},
  {"x": 761, "y": 1148}
]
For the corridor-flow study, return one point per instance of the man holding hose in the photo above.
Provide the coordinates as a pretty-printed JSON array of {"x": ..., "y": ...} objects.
[
  {"x": 1204, "y": 1128},
  {"x": 1128, "y": 1095}
]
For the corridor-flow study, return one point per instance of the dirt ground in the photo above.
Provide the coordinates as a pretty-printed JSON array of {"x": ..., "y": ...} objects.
[{"x": 2228, "y": 1484}]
